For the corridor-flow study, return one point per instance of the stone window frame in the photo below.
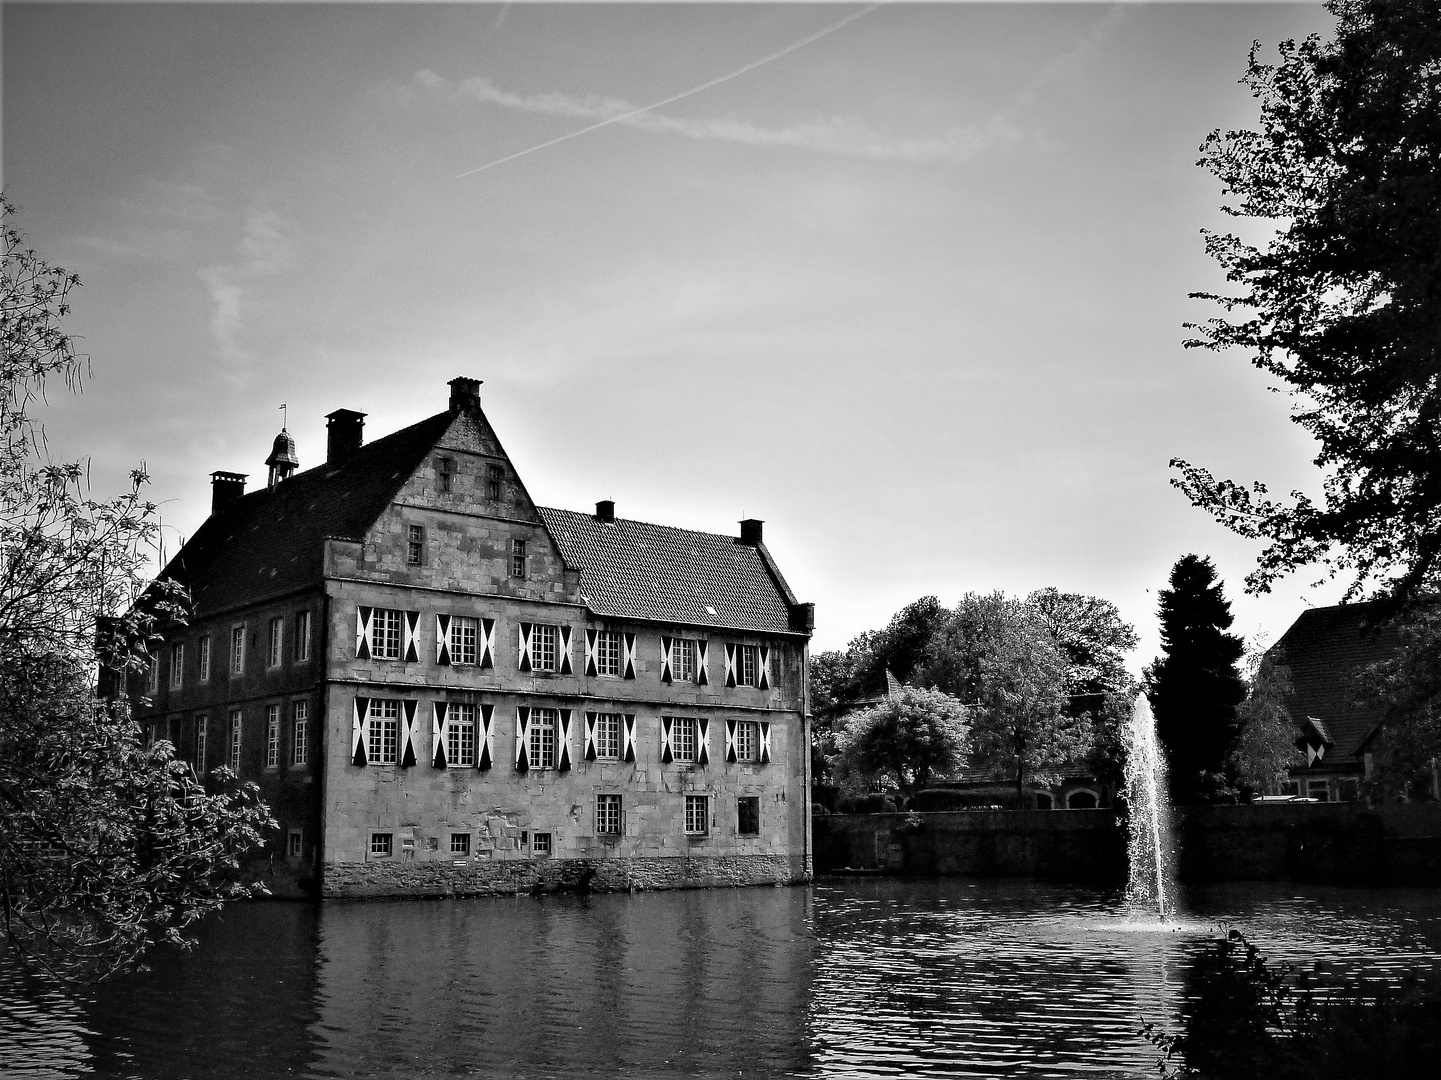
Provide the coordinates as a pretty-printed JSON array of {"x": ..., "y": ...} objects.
[
  {"x": 204, "y": 658},
  {"x": 234, "y": 735},
  {"x": 543, "y": 719},
  {"x": 198, "y": 750},
  {"x": 272, "y": 736},
  {"x": 460, "y": 844},
  {"x": 697, "y": 815},
  {"x": 609, "y": 653},
  {"x": 542, "y": 843},
  {"x": 539, "y": 645},
  {"x": 456, "y": 644},
  {"x": 382, "y": 845},
  {"x": 748, "y": 663},
  {"x": 460, "y": 753},
  {"x": 445, "y": 474},
  {"x": 748, "y": 741},
  {"x": 603, "y": 722},
  {"x": 519, "y": 560},
  {"x": 237, "y": 650},
  {"x": 414, "y": 545},
  {"x": 383, "y": 723},
  {"x": 609, "y": 814},
  {"x": 494, "y": 476},
  {"x": 684, "y": 748},
  {"x": 152, "y": 676}
]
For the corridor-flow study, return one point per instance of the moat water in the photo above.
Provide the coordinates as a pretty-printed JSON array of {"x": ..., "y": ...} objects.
[{"x": 849, "y": 978}]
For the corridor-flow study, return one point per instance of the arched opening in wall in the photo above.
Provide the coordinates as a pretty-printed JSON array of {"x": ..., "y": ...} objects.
[
  {"x": 1044, "y": 801},
  {"x": 1083, "y": 799}
]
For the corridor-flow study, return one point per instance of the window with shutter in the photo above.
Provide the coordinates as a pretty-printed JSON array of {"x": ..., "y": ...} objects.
[{"x": 487, "y": 737}]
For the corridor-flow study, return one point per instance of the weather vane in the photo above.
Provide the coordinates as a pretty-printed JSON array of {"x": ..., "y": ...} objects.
[{"x": 284, "y": 416}]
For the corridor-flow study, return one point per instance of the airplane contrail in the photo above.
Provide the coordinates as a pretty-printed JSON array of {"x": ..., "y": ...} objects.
[{"x": 683, "y": 94}]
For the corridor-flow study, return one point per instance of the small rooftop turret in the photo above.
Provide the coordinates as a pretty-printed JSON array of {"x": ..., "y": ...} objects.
[{"x": 282, "y": 459}]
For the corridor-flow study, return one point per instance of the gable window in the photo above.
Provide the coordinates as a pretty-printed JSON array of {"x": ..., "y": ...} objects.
[
  {"x": 542, "y": 738},
  {"x": 205, "y": 659},
  {"x": 460, "y": 736},
  {"x": 492, "y": 482},
  {"x": 540, "y": 843},
  {"x": 697, "y": 815},
  {"x": 748, "y": 815},
  {"x": 460, "y": 843},
  {"x": 607, "y": 736},
  {"x": 607, "y": 815},
  {"x": 748, "y": 739},
  {"x": 385, "y": 630},
  {"x": 177, "y": 665},
  {"x": 608, "y": 652},
  {"x": 384, "y": 724},
  {"x": 235, "y": 740},
  {"x": 300, "y": 741},
  {"x": 381, "y": 845},
  {"x": 237, "y": 650},
  {"x": 445, "y": 474},
  {"x": 272, "y": 736},
  {"x": 414, "y": 545},
  {"x": 463, "y": 635},
  {"x": 517, "y": 558},
  {"x": 199, "y": 748},
  {"x": 682, "y": 738},
  {"x": 542, "y": 647},
  {"x": 302, "y": 636},
  {"x": 748, "y": 665},
  {"x": 277, "y": 636}
]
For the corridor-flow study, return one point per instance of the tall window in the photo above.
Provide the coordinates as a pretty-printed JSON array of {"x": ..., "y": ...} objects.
[
  {"x": 542, "y": 647},
  {"x": 200, "y": 724},
  {"x": 683, "y": 660},
  {"x": 460, "y": 736},
  {"x": 272, "y": 736},
  {"x": 384, "y": 718},
  {"x": 237, "y": 650},
  {"x": 748, "y": 739},
  {"x": 748, "y": 665},
  {"x": 607, "y": 815},
  {"x": 294, "y": 843},
  {"x": 608, "y": 652},
  {"x": 386, "y": 634},
  {"x": 152, "y": 677},
  {"x": 542, "y": 738},
  {"x": 697, "y": 815},
  {"x": 445, "y": 474},
  {"x": 682, "y": 738},
  {"x": 492, "y": 482},
  {"x": 748, "y": 815},
  {"x": 414, "y": 545},
  {"x": 177, "y": 665},
  {"x": 607, "y": 736},
  {"x": 464, "y": 636},
  {"x": 277, "y": 636},
  {"x": 300, "y": 743},
  {"x": 205, "y": 658},
  {"x": 234, "y": 740},
  {"x": 517, "y": 558},
  {"x": 302, "y": 636}
]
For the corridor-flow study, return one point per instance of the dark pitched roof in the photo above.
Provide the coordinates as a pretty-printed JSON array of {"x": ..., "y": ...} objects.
[
  {"x": 1327, "y": 650},
  {"x": 631, "y": 569},
  {"x": 272, "y": 540}
]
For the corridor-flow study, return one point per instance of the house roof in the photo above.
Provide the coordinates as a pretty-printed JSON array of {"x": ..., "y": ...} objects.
[
  {"x": 1327, "y": 650},
  {"x": 632, "y": 569},
  {"x": 271, "y": 540}
]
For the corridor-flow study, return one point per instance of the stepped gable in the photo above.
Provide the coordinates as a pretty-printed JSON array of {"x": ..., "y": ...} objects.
[
  {"x": 635, "y": 570},
  {"x": 1327, "y": 650},
  {"x": 272, "y": 540}
]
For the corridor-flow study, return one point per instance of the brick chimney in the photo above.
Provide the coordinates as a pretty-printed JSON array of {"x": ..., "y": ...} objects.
[
  {"x": 225, "y": 488},
  {"x": 343, "y": 430},
  {"x": 464, "y": 394},
  {"x": 605, "y": 510},
  {"x": 751, "y": 531}
]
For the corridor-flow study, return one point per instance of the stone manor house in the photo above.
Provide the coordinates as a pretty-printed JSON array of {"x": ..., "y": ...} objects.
[{"x": 443, "y": 688}]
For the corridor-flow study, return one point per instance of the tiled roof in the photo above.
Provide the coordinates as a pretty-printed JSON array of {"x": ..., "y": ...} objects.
[
  {"x": 1327, "y": 650},
  {"x": 631, "y": 569},
  {"x": 272, "y": 540}
]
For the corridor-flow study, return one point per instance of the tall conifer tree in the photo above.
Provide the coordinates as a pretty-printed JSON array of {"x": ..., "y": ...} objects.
[{"x": 1196, "y": 684}]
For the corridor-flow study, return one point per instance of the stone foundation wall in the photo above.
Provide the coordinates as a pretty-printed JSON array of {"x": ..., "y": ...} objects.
[{"x": 507, "y": 877}]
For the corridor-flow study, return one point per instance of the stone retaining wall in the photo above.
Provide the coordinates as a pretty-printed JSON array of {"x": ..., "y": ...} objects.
[{"x": 401, "y": 877}]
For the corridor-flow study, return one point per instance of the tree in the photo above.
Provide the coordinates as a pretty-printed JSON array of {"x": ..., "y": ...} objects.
[
  {"x": 1343, "y": 304},
  {"x": 1195, "y": 686},
  {"x": 106, "y": 846},
  {"x": 1265, "y": 750},
  {"x": 1408, "y": 686},
  {"x": 1021, "y": 730},
  {"x": 908, "y": 740}
]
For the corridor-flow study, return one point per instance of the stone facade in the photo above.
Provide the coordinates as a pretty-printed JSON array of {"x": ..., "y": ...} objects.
[{"x": 493, "y": 695}]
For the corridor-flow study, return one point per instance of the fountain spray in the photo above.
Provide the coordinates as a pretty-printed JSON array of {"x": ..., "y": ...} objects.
[{"x": 1148, "y": 843}]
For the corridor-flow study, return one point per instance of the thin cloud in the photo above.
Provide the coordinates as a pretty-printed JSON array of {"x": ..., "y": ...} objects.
[{"x": 263, "y": 249}]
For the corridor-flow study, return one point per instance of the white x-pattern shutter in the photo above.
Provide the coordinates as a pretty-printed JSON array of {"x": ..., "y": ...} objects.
[
  {"x": 562, "y": 739},
  {"x": 666, "y": 756},
  {"x": 442, "y": 640},
  {"x": 592, "y": 667},
  {"x": 730, "y": 740},
  {"x": 412, "y": 648},
  {"x": 407, "y": 736},
  {"x": 702, "y": 660},
  {"x": 522, "y": 738},
  {"x": 525, "y": 629},
  {"x": 764, "y": 675},
  {"x": 627, "y": 737},
  {"x": 702, "y": 741},
  {"x": 439, "y": 728},
  {"x": 487, "y": 644},
  {"x": 730, "y": 664},
  {"x": 564, "y": 658},
  {"x": 360, "y": 732},
  {"x": 486, "y": 757},
  {"x": 588, "y": 752},
  {"x": 363, "y": 617},
  {"x": 666, "y": 645},
  {"x": 628, "y": 648},
  {"x": 765, "y": 727}
]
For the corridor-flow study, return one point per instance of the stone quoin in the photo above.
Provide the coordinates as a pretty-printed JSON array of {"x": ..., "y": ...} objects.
[{"x": 442, "y": 688}]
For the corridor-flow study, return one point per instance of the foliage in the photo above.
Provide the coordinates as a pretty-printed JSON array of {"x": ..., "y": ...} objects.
[
  {"x": 1265, "y": 750},
  {"x": 908, "y": 740},
  {"x": 105, "y": 846},
  {"x": 1408, "y": 686},
  {"x": 1245, "y": 1018},
  {"x": 1195, "y": 686},
  {"x": 1343, "y": 303}
]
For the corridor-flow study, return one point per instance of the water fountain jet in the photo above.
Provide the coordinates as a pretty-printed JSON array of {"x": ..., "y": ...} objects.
[{"x": 1150, "y": 890}]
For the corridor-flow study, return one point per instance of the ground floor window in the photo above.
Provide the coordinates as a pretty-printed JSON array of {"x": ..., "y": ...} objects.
[
  {"x": 607, "y": 815},
  {"x": 1320, "y": 790},
  {"x": 748, "y": 815},
  {"x": 293, "y": 843},
  {"x": 384, "y": 731},
  {"x": 380, "y": 844},
  {"x": 697, "y": 815},
  {"x": 460, "y": 843},
  {"x": 540, "y": 843}
]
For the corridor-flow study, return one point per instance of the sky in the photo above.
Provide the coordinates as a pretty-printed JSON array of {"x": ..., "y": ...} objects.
[{"x": 907, "y": 282}]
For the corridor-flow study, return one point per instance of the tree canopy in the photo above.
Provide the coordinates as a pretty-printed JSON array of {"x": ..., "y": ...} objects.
[
  {"x": 1342, "y": 305},
  {"x": 1265, "y": 750},
  {"x": 907, "y": 740},
  {"x": 106, "y": 845},
  {"x": 1195, "y": 685}
]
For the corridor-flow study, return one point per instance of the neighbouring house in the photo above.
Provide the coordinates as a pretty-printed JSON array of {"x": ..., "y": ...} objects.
[
  {"x": 1341, "y": 732},
  {"x": 442, "y": 688}
]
